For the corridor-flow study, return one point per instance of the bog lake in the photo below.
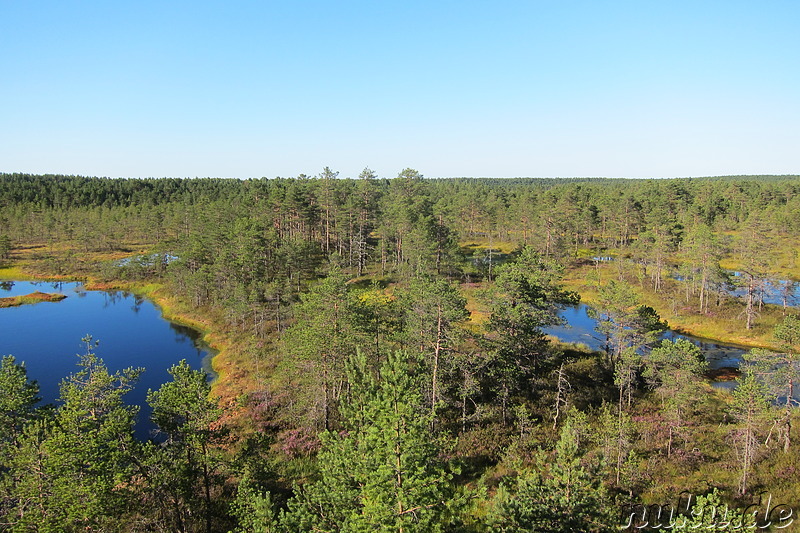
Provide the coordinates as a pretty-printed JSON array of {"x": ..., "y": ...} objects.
[{"x": 131, "y": 332}]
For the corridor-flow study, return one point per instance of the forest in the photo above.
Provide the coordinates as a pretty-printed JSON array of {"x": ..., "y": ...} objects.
[{"x": 382, "y": 362}]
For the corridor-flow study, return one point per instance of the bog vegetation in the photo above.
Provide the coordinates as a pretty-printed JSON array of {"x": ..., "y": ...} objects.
[{"x": 382, "y": 363}]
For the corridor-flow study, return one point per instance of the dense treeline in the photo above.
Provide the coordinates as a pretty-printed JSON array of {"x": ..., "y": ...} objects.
[
  {"x": 393, "y": 373},
  {"x": 79, "y": 191}
]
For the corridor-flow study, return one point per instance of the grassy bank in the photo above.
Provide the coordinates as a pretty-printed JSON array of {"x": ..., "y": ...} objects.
[
  {"x": 723, "y": 323},
  {"x": 16, "y": 273},
  {"x": 234, "y": 375},
  {"x": 231, "y": 367}
]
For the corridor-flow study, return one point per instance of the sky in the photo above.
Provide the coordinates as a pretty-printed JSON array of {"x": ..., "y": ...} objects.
[{"x": 450, "y": 88}]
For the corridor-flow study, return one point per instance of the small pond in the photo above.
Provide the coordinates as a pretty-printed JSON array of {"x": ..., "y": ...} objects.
[
  {"x": 47, "y": 337},
  {"x": 772, "y": 291},
  {"x": 580, "y": 328}
]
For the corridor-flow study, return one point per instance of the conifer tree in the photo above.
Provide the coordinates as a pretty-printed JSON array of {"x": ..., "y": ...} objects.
[
  {"x": 17, "y": 401},
  {"x": 674, "y": 369},
  {"x": 525, "y": 297},
  {"x": 323, "y": 337},
  {"x": 779, "y": 372},
  {"x": 381, "y": 473},
  {"x": 72, "y": 470},
  {"x": 750, "y": 405},
  {"x": 433, "y": 307},
  {"x": 709, "y": 513},
  {"x": 560, "y": 493},
  {"x": 182, "y": 470}
]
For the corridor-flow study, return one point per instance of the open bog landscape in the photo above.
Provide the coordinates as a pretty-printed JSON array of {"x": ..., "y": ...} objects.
[{"x": 399, "y": 267}]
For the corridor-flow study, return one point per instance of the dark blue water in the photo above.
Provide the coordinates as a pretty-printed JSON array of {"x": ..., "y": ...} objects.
[
  {"x": 580, "y": 328},
  {"x": 132, "y": 333}
]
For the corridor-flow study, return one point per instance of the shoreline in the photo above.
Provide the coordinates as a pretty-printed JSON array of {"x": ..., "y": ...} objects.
[
  {"x": 168, "y": 307},
  {"x": 721, "y": 330}
]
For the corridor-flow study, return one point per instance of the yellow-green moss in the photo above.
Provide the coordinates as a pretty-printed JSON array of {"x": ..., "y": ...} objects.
[
  {"x": 15, "y": 273},
  {"x": 32, "y": 298}
]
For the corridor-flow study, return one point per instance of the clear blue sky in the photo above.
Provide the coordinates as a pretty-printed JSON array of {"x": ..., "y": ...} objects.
[{"x": 450, "y": 88}]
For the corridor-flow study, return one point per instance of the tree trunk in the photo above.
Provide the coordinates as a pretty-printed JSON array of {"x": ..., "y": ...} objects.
[
  {"x": 787, "y": 439},
  {"x": 436, "y": 352}
]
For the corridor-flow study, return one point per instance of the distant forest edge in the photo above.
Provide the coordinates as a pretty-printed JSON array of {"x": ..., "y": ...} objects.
[
  {"x": 382, "y": 358},
  {"x": 82, "y": 191}
]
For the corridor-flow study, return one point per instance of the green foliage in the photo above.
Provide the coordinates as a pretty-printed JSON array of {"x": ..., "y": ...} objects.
[
  {"x": 615, "y": 437},
  {"x": 248, "y": 255},
  {"x": 624, "y": 322},
  {"x": 253, "y": 509},
  {"x": 675, "y": 370},
  {"x": 321, "y": 340},
  {"x": 5, "y": 246},
  {"x": 560, "y": 493},
  {"x": 525, "y": 297},
  {"x": 703, "y": 251},
  {"x": 382, "y": 473},
  {"x": 17, "y": 401},
  {"x": 749, "y": 408},
  {"x": 628, "y": 327},
  {"x": 710, "y": 513},
  {"x": 182, "y": 408},
  {"x": 432, "y": 310},
  {"x": 73, "y": 469},
  {"x": 183, "y": 471},
  {"x": 788, "y": 333}
]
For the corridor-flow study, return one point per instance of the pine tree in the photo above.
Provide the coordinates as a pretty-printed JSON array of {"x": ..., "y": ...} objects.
[
  {"x": 709, "y": 513},
  {"x": 381, "y": 473},
  {"x": 253, "y": 509},
  {"x": 321, "y": 340},
  {"x": 182, "y": 470},
  {"x": 525, "y": 297},
  {"x": 750, "y": 405},
  {"x": 627, "y": 327},
  {"x": 17, "y": 401},
  {"x": 560, "y": 493},
  {"x": 5, "y": 246},
  {"x": 433, "y": 307},
  {"x": 73, "y": 470},
  {"x": 675, "y": 369},
  {"x": 779, "y": 372}
]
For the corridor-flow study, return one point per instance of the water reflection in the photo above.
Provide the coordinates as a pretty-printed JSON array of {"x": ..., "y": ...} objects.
[
  {"x": 579, "y": 328},
  {"x": 130, "y": 329},
  {"x": 768, "y": 291}
]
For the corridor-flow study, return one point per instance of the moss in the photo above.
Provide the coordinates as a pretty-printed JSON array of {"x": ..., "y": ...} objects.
[
  {"x": 32, "y": 298},
  {"x": 15, "y": 273}
]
